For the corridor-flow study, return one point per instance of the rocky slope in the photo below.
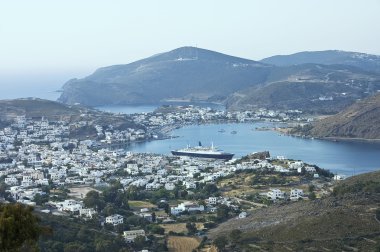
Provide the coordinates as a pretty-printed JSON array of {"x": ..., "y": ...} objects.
[
  {"x": 360, "y": 120},
  {"x": 343, "y": 221}
]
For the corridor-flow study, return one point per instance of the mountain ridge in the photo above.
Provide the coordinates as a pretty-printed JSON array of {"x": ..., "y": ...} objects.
[
  {"x": 327, "y": 57},
  {"x": 196, "y": 74},
  {"x": 186, "y": 72}
]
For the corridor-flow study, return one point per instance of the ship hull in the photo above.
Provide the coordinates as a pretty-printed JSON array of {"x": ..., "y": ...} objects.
[{"x": 225, "y": 156}]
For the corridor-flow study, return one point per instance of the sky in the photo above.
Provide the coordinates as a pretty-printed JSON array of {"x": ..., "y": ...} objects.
[{"x": 59, "y": 40}]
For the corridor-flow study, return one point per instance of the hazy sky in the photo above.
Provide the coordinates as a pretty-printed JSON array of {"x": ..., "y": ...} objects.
[{"x": 74, "y": 37}]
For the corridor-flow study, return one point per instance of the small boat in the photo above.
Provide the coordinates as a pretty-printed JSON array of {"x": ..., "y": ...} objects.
[{"x": 221, "y": 130}]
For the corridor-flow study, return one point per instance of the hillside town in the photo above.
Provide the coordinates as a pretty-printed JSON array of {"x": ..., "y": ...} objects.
[{"x": 42, "y": 166}]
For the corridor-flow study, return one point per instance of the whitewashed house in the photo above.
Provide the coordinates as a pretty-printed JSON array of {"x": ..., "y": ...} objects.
[
  {"x": 295, "y": 194},
  {"x": 87, "y": 212},
  {"x": 69, "y": 205},
  {"x": 212, "y": 200},
  {"x": 169, "y": 186},
  {"x": 115, "y": 219},
  {"x": 186, "y": 206},
  {"x": 242, "y": 215},
  {"x": 130, "y": 236},
  {"x": 275, "y": 194},
  {"x": 11, "y": 181}
]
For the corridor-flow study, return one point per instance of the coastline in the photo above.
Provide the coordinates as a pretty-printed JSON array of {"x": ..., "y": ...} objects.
[{"x": 286, "y": 131}]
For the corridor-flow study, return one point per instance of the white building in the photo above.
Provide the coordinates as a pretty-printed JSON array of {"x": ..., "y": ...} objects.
[
  {"x": 242, "y": 215},
  {"x": 115, "y": 219},
  {"x": 186, "y": 206},
  {"x": 310, "y": 169},
  {"x": 212, "y": 200},
  {"x": 87, "y": 212},
  {"x": 11, "y": 181},
  {"x": 190, "y": 185},
  {"x": 339, "y": 177},
  {"x": 170, "y": 186},
  {"x": 295, "y": 194},
  {"x": 69, "y": 205},
  {"x": 275, "y": 194},
  {"x": 130, "y": 236}
]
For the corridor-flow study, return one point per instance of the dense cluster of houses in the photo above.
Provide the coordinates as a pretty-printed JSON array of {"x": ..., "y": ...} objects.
[
  {"x": 165, "y": 119},
  {"x": 37, "y": 153}
]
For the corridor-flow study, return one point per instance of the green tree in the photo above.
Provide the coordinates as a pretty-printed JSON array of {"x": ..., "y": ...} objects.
[
  {"x": 156, "y": 229},
  {"x": 94, "y": 200},
  {"x": 311, "y": 187},
  {"x": 41, "y": 199},
  {"x": 235, "y": 236},
  {"x": 3, "y": 192},
  {"x": 220, "y": 242},
  {"x": 74, "y": 247},
  {"x": 18, "y": 227},
  {"x": 191, "y": 228},
  {"x": 312, "y": 196},
  {"x": 139, "y": 242},
  {"x": 222, "y": 213}
]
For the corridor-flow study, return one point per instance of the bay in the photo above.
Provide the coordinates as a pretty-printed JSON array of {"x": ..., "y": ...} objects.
[
  {"x": 348, "y": 158},
  {"x": 146, "y": 108}
]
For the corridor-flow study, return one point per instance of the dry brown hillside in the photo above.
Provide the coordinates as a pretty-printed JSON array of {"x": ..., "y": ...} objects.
[
  {"x": 360, "y": 120},
  {"x": 344, "y": 221}
]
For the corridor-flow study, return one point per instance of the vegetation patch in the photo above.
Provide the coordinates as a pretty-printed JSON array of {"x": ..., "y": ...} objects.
[{"x": 182, "y": 243}]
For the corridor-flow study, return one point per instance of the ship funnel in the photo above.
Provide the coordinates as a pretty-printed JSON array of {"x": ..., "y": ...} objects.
[{"x": 200, "y": 144}]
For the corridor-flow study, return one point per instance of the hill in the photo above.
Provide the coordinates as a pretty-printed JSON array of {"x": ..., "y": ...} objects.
[
  {"x": 359, "y": 121},
  {"x": 55, "y": 111},
  {"x": 194, "y": 74},
  {"x": 37, "y": 108},
  {"x": 312, "y": 88},
  {"x": 186, "y": 73},
  {"x": 330, "y": 57},
  {"x": 343, "y": 221}
]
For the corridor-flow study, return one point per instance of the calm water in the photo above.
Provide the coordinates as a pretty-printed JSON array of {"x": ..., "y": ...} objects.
[
  {"x": 339, "y": 157},
  {"x": 131, "y": 109}
]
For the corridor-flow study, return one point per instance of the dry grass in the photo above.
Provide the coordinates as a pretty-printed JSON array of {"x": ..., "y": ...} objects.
[
  {"x": 209, "y": 248},
  {"x": 140, "y": 204},
  {"x": 179, "y": 227},
  {"x": 80, "y": 191},
  {"x": 182, "y": 243}
]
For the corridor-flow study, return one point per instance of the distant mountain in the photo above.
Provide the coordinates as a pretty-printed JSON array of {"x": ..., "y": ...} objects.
[
  {"x": 185, "y": 73},
  {"x": 312, "y": 88},
  {"x": 326, "y": 85},
  {"x": 360, "y": 120},
  {"x": 367, "y": 62}
]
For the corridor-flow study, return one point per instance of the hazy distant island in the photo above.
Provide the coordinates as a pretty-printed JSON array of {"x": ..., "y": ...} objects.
[{"x": 317, "y": 82}]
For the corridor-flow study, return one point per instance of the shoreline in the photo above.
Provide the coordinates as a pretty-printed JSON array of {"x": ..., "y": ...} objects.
[{"x": 285, "y": 131}]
